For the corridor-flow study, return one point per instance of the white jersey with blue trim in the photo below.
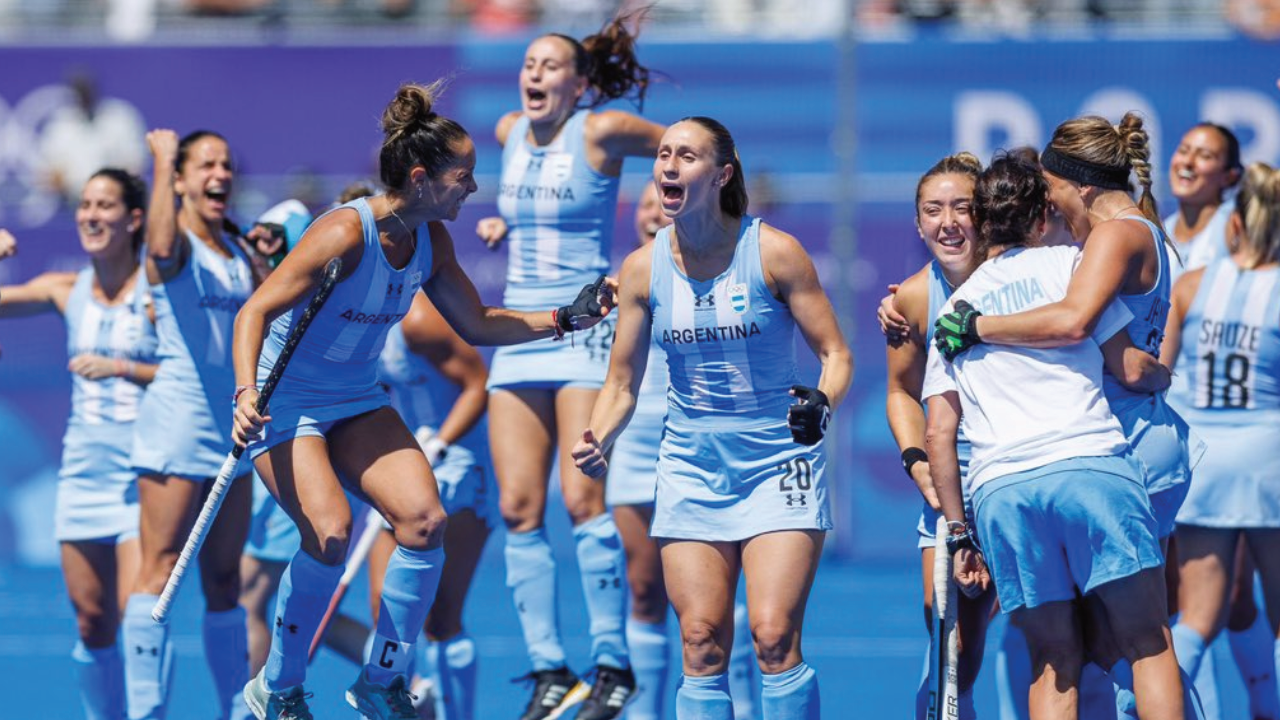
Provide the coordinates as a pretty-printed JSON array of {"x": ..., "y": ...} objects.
[
  {"x": 121, "y": 332},
  {"x": 1146, "y": 330},
  {"x": 560, "y": 212},
  {"x": 729, "y": 342},
  {"x": 337, "y": 358},
  {"x": 1027, "y": 407},
  {"x": 1230, "y": 354},
  {"x": 1208, "y": 245},
  {"x": 421, "y": 395},
  {"x": 195, "y": 316}
]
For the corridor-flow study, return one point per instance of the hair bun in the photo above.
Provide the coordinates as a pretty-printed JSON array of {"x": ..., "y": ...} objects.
[{"x": 411, "y": 106}]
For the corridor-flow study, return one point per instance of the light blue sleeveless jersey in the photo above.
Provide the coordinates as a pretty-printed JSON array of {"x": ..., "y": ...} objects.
[
  {"x": 560, "y": 212},
  {"x": 184, "y": 424},
  {"x": 1230, "y": 357},
  {"x": 1146, "y": 329},
  {"x": 728, "y": 467},
  {"x": 334, "y": 370},
  {"x": 97, "y": 490},
  {"x": 1206, "y": 247},
  {"x": 729, "y": 342},
  {"x": 423, "y": 396},
  {"x": 939, "y": 292}
]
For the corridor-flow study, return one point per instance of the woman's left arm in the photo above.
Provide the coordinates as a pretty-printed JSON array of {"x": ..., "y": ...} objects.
[
  {"x": 613, "y": 136},
  {"x": 791, "y": 274},
  {"x": 453, "y": 294}
]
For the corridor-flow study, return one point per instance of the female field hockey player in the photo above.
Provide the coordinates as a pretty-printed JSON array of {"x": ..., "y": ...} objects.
[
  {"x": 1049, "y": 464},
  {"x": 199, "y": 274},
  {"x": 1224, "y": 335},
  {"x": 330, "y": 423},
  {"x": 1126, "y": 256},
  {"x": 944, "y": 198},
  {"x": 629, "y": 492},
  {"x": 111, "y": 341},
  {"x": 437, "y": 384},
  {"x": 1203, "y": 170},
  {"x": 561, "y": 162},
  {"x": 741, "y": 465}
]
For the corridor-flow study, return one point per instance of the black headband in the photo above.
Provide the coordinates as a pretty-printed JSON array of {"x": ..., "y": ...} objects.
[{"x": 1083, "y": 171}]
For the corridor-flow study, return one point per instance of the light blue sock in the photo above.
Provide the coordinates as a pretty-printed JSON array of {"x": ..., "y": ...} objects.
[
  {"x": 1206, "y": 682},
  {"x": 1013, "y": 674},
  {"x": 1254, "y": 651},
  {"x": 455, "y": 677},
  {"x": 226, "y": 650},
  {"x": 603, "y": 565},
  {"x": 305, "y": 589},
  {"x": 1276, "y": 655},
  {"x": 1198, "y": 665},
  {"x": 650, "y": 659},
  {"x": 101, "y": 677},
  {"x": 531, "y": 575},
  {"x": 1097, "y": 694},
  {"x": 704, "y": 698},
  {"x": 743, "y": 669},
  {"x": 408, "y": 591},
  {"x": 791, "y": 694},
  {"x": 148, "y": 659}
]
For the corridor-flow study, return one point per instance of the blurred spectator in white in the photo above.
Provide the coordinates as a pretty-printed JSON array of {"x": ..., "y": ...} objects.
[
  {"x": 87, "y": 134},
  {"x": 777, "y": 18}
]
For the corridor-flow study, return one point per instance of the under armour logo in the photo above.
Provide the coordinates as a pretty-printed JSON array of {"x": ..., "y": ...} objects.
[
  {"x": 293, "y": 629},
  {"x": 395, "y": 289},
  {"x": 153, "y": 651},
  {"x": 796, "y": 500},
  {"x": 605, "y": 583},
  {"x": 708, "y": 300}
]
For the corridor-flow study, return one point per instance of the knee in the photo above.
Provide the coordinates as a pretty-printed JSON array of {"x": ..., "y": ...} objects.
[
  {"x": 520, "y": 511},
  {"x": 326, "y": 540},
  {"x": 422, "y": 529},
  {"x": 703, "y": 652},
  {"x": 583, "y": 505},
  {"x": 648, "y": 599},
  {"x": 775, "y": 640},
  {"x": 96, "y": 626}
]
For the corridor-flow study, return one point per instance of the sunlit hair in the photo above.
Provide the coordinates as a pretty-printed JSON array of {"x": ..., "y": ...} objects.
[
  {"x": 962, "y": 163},
  {"x": 1126, "y": 147},
  {"x": 1009, "y": 203},
  {"x": 1258, "y": 205},
  {"x": 354, "y": 191},
  {"x": 413, "y": 134},
  {"x": 608, "y": 60},
  {"x": 733, "y": 196}
]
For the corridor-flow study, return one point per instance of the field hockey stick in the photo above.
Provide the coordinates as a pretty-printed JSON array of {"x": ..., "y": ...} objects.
[
  {"x": 372, "y": 526},
  {"x": 199, "y": 531},
  {"x": 946, "y": 598}
]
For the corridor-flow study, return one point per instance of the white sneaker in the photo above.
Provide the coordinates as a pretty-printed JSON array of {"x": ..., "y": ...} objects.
[{"x": 288, "y": 704}]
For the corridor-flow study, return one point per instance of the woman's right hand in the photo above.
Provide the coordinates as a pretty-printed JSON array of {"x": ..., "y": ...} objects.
[
  {"x": 892, "y": 323},
  {"x": 589, "y": 456},
  {"x": 163, "y": 144},
  {"x": 492, "y": 230},
  {"x": 247, "y": 423}
]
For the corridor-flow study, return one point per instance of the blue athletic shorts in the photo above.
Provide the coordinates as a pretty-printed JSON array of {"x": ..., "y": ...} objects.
[{"x": 1072, "y": 524}]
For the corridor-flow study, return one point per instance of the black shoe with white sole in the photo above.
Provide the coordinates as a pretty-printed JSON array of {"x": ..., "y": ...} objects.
[
  {"x": 549, "y": 690},
  {"x": 610, "y": 693}
]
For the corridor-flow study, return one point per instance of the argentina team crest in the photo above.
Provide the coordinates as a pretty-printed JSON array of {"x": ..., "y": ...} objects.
[{"x": 738, "y": 298}]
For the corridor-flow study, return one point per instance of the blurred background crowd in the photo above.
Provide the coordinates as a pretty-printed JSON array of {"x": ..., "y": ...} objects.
[{"x": 142, "y": 20}]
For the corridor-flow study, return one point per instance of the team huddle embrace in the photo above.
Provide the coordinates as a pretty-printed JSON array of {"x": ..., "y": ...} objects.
[{"x": 1080, "y": 391}]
